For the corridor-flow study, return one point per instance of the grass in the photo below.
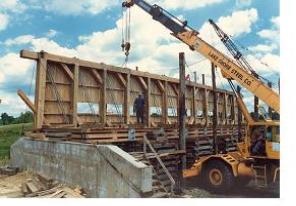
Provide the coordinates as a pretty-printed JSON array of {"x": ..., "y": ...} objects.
[{"x": 8, "y": 135}]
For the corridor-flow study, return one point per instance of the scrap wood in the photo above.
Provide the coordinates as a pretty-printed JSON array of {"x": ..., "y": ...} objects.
[{"x": 42, "y": 187}]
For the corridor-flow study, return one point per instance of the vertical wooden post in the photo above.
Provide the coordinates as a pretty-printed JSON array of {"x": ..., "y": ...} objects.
[
  {"x": 233, "y": 109},
  {"x": 195, "y": 77},
  {"x": 127, "y": 93},
  {"x": 239, "y": 117},
  {"x": 40, "y": 89},
  {"x": 270, "y": 110},
  {"x": 206, "y": 107},
  {"x": 256, "y": 107},
  {"x": 203, "y": 79},
  {"x": 225, "y": 108},
  {"x": 148, "y": 100},
  {"x": 194, "y": 106},
  {"x": 75, "y": 94},
  {"x": 182, "y": 132},
  {"x": 215, "y": 109},
  {"x": 103, "y": 105},
  {"x": 165, "y": 103}
]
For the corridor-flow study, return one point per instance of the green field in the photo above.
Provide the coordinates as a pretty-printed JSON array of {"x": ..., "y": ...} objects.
[{"x": 8, "y": 135}]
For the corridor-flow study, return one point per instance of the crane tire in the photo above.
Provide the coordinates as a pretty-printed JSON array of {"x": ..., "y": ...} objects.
[{"x": 218, "y": 176}]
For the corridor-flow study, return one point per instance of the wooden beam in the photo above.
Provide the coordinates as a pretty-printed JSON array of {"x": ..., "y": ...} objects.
[
  {"x": 148, "y": 100},
  {"x": 75, "y": 93},
  {"x": 103, "y": 103},
  {"x": 40, "y": 90},
  {"x": 194, "y": 104},
  {"x": 225, "y": 107},
  {"x": 127, "y": 94},
  {"x": 143, "y": 83},
  {"x": 205, "y": 106},
  {"x": 165, "y": 103},
  {"x": 97, "y": 76},
  {"x": 67, "y": 71},
  {"x": 121, "y": 79},
  {"x": 175, "y": 89},
  {"x": 27, "y": 101},
  {"x": 160, "y": 85}
]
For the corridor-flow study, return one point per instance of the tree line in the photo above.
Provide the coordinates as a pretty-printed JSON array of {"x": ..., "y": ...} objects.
[{"x": 25, "y": 117}]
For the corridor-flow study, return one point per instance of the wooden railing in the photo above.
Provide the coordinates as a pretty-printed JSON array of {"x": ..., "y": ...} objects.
[{"x": 168, "y": 174}]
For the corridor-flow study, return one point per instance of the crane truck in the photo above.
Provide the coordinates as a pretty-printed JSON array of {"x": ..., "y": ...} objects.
[{"x": 221, "y": 170}]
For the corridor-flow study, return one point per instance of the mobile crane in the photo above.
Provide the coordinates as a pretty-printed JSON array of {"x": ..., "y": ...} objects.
[{"x": 221, "y": 170}]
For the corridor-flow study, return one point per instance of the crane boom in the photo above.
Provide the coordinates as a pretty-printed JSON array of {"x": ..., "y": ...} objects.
[{"x": 228, "y": 67}]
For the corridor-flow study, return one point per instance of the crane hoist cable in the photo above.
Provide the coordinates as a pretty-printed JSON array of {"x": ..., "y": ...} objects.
[{"x": 126, "y": 33}]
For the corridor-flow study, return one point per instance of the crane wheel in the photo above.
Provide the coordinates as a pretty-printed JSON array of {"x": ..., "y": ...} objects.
[{"x": 218, "y": 176}]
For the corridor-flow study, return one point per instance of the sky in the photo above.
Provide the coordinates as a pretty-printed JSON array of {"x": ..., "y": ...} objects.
[{"x": 92, "y": 30}]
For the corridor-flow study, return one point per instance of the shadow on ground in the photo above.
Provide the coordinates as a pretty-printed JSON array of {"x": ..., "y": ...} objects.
[{"x": 195, "y": 189}]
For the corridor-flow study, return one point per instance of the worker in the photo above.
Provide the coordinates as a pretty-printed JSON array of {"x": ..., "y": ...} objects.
[
  {"x": 258, "y": 146},
  {"x": 139, "y": 108}
]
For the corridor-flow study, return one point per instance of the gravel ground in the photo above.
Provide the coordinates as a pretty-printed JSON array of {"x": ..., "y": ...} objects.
[{"x": 193, "y": 189}]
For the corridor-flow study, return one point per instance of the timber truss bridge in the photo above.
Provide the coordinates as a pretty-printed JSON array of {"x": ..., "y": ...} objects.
[{"x": 82, "y": 101}]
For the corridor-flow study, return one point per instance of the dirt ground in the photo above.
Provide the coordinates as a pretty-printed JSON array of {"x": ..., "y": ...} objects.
[
  {"x": 194, "y": 189},
  {"x": 10, "y": 186}
]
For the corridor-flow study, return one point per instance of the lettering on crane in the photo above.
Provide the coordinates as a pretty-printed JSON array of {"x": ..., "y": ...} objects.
[{"x": 225, "y": 64}]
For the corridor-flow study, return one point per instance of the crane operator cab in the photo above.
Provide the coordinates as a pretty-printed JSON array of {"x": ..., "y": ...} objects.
[{"x": 265, "y": 141}]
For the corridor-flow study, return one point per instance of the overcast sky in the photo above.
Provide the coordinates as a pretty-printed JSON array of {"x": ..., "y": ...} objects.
[{"x": 91, "y": 29}]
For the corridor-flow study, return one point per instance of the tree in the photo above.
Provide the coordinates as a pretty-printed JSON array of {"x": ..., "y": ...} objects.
[
  {"x": 25, "y": 117},
  {"x": 6, "y": 119}
]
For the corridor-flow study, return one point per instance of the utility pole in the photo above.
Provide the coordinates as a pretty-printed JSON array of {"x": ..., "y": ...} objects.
[
  {"x": 215, "y": 109},
  {"x": 182, "y": 116}
]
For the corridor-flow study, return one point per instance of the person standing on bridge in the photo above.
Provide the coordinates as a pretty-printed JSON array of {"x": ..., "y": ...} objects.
[{"x": 139, "y": 106}]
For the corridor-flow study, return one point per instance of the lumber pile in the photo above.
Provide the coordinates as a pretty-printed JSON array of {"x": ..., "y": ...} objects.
[{"x": 40, "y": 187}]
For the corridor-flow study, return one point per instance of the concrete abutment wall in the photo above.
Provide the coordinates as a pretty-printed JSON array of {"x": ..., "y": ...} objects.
[{"x": 102, "y": 170}]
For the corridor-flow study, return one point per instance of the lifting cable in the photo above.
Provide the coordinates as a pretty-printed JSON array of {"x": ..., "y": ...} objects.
[{"x": 126, "y": 33}]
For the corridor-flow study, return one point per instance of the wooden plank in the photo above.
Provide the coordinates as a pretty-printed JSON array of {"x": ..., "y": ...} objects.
[
  {"x": 27, "y": 101},
  {"x": 97, "y": 76},
  {"x": 67, "y": 71}
]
